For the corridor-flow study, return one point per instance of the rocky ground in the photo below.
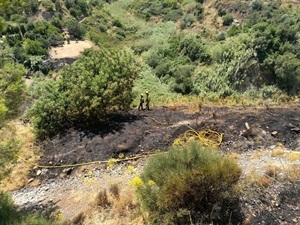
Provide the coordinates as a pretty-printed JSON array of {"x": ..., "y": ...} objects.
[{"x": 265, "y": 141}]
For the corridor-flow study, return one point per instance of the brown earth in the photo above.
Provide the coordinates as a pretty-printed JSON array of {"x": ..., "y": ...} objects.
[{"x": 71, "y": 50}]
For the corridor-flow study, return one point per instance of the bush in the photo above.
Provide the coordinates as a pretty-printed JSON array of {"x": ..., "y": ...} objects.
[
  {"x": 199, "y": 12},
  {"x": 173, "y": 15},
  {"x": 221, "y": 12},
  {"x": 76, "y": 29},
  {"x": 32, "y": 6},
  {"x": 186, "y": 21},
  {"x": 186, "y": 181},
  {"x": 7, "y": 210},
  {"x": 227, "y": 19},
  {"x": 287, "y": 70},
  {"x": 221, "y": 36},
  {"x": 95, "y": 85},
  {"x": 9, "y": 214},
  {"x": 256, "y": 5},
  {"x": 193, "y": 47},
  {"x": 12, "y": 87}
]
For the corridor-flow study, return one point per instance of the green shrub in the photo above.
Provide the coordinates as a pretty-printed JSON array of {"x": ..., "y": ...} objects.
[
  {"x": 186, "y": 181},
  {"x": 8, "y": 212},
  {"x": 287, "y": 70},
  {"x": 227, "y": 19},
  {"x": 12, "y": 87},
  {"x": 159, "y": 91},
  {"x": 234, "y": 30},
  {"x": 199, "y": 11},
  {"x": 97, "y": 37},
  {"x": 182, "y": 78},
  {"x": 9, "y": 215},
  {"x": 95, "y": 85},
  {"x": 187, "y": 21},
  {"x": 32, "y": 6},
  {"x": 256, "y": 5},
  {"x": 221, "y": 12},
  {"x": 173, "y": 15},
  {"x": 221, "y": 36},
  {"x": 193, "y": 47},
  {"x": 141, "y": 47},
  {"x": 76, "y": 29}
]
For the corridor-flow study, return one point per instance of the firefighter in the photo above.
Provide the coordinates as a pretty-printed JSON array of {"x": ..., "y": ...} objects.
[
  {"x": 141, "y": 103},
  {"x": 147, "y": 100}
]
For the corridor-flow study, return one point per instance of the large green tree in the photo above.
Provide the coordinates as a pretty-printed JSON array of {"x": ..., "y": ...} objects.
[
  {"x": 98, "y": 83},
  {"x": 287, "y": 69},
  {"x": 11, "y": 89}
]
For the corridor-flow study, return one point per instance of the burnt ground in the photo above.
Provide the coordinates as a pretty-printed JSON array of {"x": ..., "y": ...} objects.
[
  {"x": 145, "y": 131},
  {"x": 140, "y": 132}
]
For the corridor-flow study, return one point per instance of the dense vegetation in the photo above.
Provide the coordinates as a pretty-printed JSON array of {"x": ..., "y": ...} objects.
[
  {"x": 98, "y": 83},
  {"x": 255, "y": 57}
]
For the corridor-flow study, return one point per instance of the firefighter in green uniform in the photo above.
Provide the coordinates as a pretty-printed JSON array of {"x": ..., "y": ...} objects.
[
  {"x": 147, "y": 100},
  {"x": 141, "y": 103}
]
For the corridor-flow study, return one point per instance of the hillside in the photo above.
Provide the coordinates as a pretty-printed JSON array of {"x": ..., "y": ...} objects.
[
  {"x": 269, "y": 157},
  {"x": 74, "y": 143}
]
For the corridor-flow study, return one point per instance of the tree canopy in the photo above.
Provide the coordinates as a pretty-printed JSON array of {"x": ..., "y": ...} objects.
[
  {"x": 11, "y": 89},
  {"x": 98, "y": 83}
]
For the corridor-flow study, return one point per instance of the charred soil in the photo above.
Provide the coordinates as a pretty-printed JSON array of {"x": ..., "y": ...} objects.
[
  {"x": 140, "y": 132},
  {"x": 244, "y": 131}
]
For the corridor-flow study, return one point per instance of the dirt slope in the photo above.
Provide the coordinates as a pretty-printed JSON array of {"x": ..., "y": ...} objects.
[{"x": 72, "y": 190}]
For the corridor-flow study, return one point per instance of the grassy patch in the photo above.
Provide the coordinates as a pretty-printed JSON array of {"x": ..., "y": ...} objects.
[{"x": 28, "y": 155}]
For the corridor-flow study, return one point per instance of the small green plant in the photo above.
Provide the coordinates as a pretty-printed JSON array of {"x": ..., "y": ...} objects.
[
  {"x": 7, "y": 209},
  {"x": 191, "y": 179},
  {"x": 10, "y": 215},
  {"x": 227, "y": 19}
]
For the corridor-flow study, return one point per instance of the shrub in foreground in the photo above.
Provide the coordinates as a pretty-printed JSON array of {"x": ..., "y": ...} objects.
[{"x": 187, "y": 184}]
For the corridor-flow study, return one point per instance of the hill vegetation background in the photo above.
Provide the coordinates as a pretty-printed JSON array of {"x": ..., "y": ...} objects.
[{"x": 244, "y": 52}]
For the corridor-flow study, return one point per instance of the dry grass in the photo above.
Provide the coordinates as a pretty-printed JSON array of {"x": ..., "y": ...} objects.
[
  {"x": 293, "y": 156},
  {"x": 272, "y": 171},
  {"x": 102, "y": 199},
  {"x": 293, "y": 172},
  {"x": 234, "y": 155},
  {"x": 256, "y": 155},
  {"x": 256, "y": 179},
  {"x": 278, "y": 151},
  {"x": 278, "y": 169},
  {"x": 115, "y": 207},
  {"x": 29, "y": 155},
  {"x": 264, "y": 177},
  {"x": 264, "y": 181}
]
